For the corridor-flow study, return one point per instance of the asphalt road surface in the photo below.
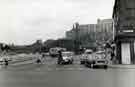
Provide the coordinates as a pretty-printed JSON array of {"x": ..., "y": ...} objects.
[{"x": 49, "y": 74}]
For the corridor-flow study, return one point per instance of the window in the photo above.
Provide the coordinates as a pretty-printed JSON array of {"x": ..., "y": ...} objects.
[{"x": 130, "y": 13}]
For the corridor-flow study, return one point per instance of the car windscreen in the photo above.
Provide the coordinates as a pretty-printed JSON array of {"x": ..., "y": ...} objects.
[
  {"x": 100, "y": 55},
  {"x": 67, "y": 54}
]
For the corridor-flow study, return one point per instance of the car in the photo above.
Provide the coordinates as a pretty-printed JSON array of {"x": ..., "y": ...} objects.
[
  {"x": 84, "y": 57},
  {"x": 45, "y": 54},
  {"x": 100, "y": 63},
  {"x": 67, "y": 57},
  {"x": 100, "y": 60},
  {"x": 97, "y": 57},
  {"x": 53, "y": 52}
]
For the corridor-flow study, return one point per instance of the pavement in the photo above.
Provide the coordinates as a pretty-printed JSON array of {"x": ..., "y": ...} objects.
[
  {"x": 122, "y": 66},
  {"x": 21, "y": 59}
]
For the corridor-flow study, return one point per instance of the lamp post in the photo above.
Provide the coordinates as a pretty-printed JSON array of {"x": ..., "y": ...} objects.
[{"x": 76, "y": 41}]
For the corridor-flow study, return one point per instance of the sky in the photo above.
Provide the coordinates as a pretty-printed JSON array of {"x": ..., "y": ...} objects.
[{"x": 24, "y": 21}]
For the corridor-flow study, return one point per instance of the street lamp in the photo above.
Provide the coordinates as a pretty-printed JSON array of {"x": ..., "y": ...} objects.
[{"x": 76, "y": 41}]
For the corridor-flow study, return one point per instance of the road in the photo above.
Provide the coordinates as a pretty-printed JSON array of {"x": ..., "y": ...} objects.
[{"x": 49, "y": 74}]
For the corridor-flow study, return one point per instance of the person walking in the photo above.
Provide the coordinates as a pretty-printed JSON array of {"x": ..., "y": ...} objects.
[
  {"x": 38, "y": 58},
  {"x": 4, "y": 57},
  {"x": 5, "y": 62},
  {"x": 43, "y": 57},
  {"x": 60, "y": 57},
  {"x": 113, "y": 57}
]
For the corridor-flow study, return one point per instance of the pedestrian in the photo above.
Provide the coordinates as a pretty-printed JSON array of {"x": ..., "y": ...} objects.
[
  {"x": 43, "y": 57},
  {"x": 38, "y": 61},
  {"x": 112, "y": 55},
  {"x": 60, "y": 57},
  {"x": 5, "y": 62},
  {"x": 38, "y": 58}
]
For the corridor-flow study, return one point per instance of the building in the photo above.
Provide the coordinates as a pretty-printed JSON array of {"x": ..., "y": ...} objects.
[
  {"x": 105, "y": 25},
  {"x": 124, "y": 30},
  {"x": 83, "y": 30},
  {"x": 89, "y": 33},
  {"x": 104, "y": 29},
  {"x": 71, "y": 34}
]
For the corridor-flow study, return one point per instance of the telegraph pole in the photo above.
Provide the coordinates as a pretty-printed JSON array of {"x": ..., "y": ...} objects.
[{"x": 76, "y": 41}]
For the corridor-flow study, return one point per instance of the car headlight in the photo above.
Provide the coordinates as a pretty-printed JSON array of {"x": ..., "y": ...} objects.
[{"x": 97, "y": 57}]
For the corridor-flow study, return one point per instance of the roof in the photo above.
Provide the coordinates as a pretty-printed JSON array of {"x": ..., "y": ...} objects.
[
  {"x": 67, "y": 52},
  {"x": 88, "y": 50}
]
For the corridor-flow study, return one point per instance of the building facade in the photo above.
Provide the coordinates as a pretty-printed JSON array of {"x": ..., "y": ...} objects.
[
  {"x": 124, "y": 30},
  {"x": 103, "y": 30}
]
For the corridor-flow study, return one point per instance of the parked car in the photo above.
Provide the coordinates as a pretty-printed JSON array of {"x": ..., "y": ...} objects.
[
  {"x": 87, "y": 56},
  {"x": 98, "y": 59},
  {"x": 101, "y": 61},
  {"x": 67, "y": 57}
]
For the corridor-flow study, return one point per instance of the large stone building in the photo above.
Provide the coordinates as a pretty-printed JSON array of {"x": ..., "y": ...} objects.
[
  {"x": 71, "y": 34},
  {"x": 104, "y": 29},
  {"x": 124, "y": 30},
  {"x": 87, "y": 33},
  {"x": 83, "y": 30}
]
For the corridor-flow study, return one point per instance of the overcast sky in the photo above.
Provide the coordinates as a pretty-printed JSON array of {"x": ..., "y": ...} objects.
[{"x": 25, "y": 21}]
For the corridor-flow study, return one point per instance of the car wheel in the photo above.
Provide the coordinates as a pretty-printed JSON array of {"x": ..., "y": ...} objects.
[
  {"x": 58, "y": 62},
  {"x": 94, "y": 67},
  {"x": 105, "y": 66},
  {"x": 82, "y": 62},
  {"x": 88, "y": 65}
]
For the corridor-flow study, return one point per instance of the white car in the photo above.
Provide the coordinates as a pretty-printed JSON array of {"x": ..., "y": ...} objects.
[
  {"x": 86, "y": 56},
  {"x": 100, "y": 61},
  {"x": 100, "y": 55},
  {"x": 54, "y": 52},
  {"x": 67, "y": 57}
]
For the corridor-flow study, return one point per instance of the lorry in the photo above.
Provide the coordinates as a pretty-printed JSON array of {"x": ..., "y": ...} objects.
[{"x": 54, "y": 51}]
